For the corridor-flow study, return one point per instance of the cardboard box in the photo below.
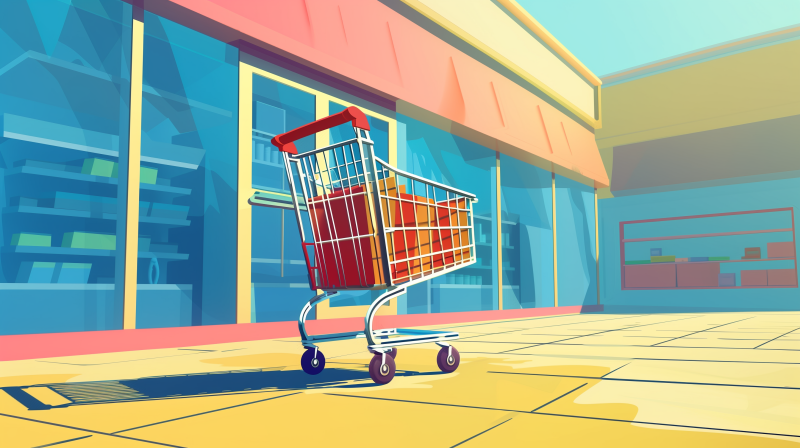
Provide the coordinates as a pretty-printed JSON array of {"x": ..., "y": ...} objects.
[
  {"x": 698, "y": 275},
  {"x": 727, "y": 279},
  {"x": 780, "y": 250},
  {"x": 752, "y": 252},
  {"x": 681, "y": 260},
  {"x": 656, "y": 276},
  {"x": 86, "y": 240},
  {"x": 148, "y": 175},
  {"x": 754, "y": 277},
  {"x": 692, "y": 259},
  {"x": 719, "y": 258},
  {"x": 31, "y": 239},
  {"x": 98, "y": 167},
  {"x": 663, "y": 259},
  {"x": 782, "y": 277}
]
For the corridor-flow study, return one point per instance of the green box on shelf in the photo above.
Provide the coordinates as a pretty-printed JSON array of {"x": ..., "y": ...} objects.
[
  {"x": 148, "y": 175},
  {"x": 637, "y": 262},
  {"x": 719, "y": 258},
  {"x": 85, "y": 240},
  {"x": 99, "y": 167},
  {"x": 31, "y": 239},
  {"x": 36, "y": 272},
  {"x": 662, "y": 258}
]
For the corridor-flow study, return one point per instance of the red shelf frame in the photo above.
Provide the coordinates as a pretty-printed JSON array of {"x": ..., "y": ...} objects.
[{"x": 622, "y": 242}]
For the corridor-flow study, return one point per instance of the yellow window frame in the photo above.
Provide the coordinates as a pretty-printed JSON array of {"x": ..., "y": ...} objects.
[{"x": 244, "y": 312}]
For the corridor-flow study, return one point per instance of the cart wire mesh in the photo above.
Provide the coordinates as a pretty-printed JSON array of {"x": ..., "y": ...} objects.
[{"x": 421, "y": 228}]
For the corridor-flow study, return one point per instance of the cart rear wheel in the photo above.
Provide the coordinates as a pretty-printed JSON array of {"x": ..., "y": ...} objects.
[
  {"x": 379, "y": 372},
  {"x": 310, "y": 364},
  {"x": 447, "y": 361}
]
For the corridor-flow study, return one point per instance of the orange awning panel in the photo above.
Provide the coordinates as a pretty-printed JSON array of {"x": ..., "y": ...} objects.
[{"x": 368, "y": 44}]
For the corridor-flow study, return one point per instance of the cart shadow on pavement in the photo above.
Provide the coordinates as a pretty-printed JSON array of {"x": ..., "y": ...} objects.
[{"x": 60, "y": 395}]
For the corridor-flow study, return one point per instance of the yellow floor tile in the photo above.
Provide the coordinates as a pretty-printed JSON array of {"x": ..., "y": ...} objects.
[
  {"x": 325, "y": 420},
  {"x": 546, "y": 431},
  {"x": 17, "y": 433}
]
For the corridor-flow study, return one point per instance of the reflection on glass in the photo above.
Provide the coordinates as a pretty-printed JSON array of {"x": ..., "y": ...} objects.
[
  {"x": 64, "y": 90},
  {"x": 442, "y": 157},
  {"x": 187, "y": 208},
  {"x": 378, "y": 132},
  {"x": 527, "y": 234},
  {"x": 577, "y": 265},
  {"x": 279, "y": 277}
]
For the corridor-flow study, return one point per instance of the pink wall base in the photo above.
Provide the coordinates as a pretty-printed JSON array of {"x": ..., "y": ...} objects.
[{"x": 48, "y": 345}]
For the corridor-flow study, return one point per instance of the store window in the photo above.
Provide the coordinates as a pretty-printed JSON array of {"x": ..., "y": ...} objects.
[
  {"x": 279, "y": 276},
  {"x": 527, "y": 234},
  {"x": 442, "y": 157},
  {"x": 575, "y": 242},
  {"x": 188, "y": 178},
  {"x": 64, "y": 92}
]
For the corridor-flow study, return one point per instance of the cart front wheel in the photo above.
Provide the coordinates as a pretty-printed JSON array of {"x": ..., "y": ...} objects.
[
  {"x": 312, "y": 365},
  {"x": 379, "y": 371},
  {"x": 448, "y": 361},
  {"x": 392, "y": 352}
]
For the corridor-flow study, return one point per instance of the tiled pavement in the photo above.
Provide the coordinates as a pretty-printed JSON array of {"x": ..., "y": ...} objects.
[{"x": 725, "y": 379}]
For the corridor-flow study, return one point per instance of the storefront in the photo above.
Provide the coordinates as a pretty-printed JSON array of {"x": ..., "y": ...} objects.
[{"x": 133, "y": 139}]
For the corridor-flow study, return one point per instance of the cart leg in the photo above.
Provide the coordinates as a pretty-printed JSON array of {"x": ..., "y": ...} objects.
[
  {"x": 304, "y": 314},
  {"x": 374, "y": 309}
]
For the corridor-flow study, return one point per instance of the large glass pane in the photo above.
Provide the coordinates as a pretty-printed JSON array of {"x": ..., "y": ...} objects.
[
  {"x": 187, "y": 218},
  {"x": 527, "y": 234},
  {"x": 277, "y": 108},
  {"x": 575, "y": 231},
  {"x": 279, "y": 278},
  {"x": 442, "y": 157},
  {"x": 64, "y": 91}
]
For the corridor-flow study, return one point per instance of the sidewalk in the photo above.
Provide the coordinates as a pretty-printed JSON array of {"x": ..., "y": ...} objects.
[{"x": 729, "y": 379}]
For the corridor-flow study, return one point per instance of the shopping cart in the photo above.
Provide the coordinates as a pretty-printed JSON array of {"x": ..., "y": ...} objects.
[{"x": 373, "y": 227}]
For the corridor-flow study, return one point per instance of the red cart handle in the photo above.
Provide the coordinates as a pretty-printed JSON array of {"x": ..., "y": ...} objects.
[{"x": 285, "y": 141}]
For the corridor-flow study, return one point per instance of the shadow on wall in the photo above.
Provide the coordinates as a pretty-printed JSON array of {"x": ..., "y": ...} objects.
[{"x": 62, "y": 395}]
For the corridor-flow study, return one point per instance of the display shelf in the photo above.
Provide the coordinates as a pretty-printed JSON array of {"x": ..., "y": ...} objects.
[
  {"x": 92, "y": 215},
  {"x": 715, "y": 261},
  {"x": 52, "y": 250},
  {"x": 57, "y": 286},
  {"x": 457, "y": 286},
  {"x": 264, "y": 162},
  {"x": 276, "y": 261},
  {"x": 704, "y": 235},
  {"x": 679, "y": 274},
  {"x": 90, "y": 178}
]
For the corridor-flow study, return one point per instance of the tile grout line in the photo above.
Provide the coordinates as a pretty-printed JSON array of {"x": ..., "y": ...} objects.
[
  {"x": 88, "y": 430},
  {"x": 572, "y": 416},
  {"x": 558, "y": 398},
  {"x": 792, "y": 331},
  {"x": 633, "y": 380},
  {"x": 609, "y": 373},
  {"x": 202, "y": 413},
  {"x": 482, "y": 432},
  {"x": 690, "y": 334},
  {"x": 63, "y": 441},
  {"x": 595, "y": 334}
]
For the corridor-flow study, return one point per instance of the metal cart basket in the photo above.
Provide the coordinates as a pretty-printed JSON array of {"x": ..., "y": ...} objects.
[{"x": 372, "y": 227}]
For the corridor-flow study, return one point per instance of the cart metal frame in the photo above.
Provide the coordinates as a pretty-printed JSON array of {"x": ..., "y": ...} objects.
[{"x": 316, "y": 176}]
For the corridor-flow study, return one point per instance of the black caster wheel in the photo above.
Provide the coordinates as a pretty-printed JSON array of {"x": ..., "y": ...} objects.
[
  {"x": 379, "y": 372},
  {"x": 392, "y": 353},
  {"x": 311, "y": 365},
  {"x": 448, "y": 361}
]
